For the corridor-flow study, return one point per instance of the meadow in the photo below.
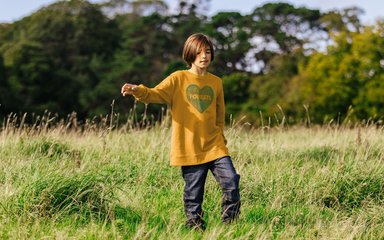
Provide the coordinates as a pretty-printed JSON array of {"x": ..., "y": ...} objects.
[{"x": 62, "y": 181}]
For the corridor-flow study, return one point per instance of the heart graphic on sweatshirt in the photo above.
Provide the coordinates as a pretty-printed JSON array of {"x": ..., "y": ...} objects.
[{"x": 200, "y": 98}]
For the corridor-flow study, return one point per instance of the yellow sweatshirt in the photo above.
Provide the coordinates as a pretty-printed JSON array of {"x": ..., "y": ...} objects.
[{"x": 197, "y": 107}]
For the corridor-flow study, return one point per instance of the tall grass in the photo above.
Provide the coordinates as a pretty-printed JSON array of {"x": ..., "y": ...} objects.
[{"x": 110, "y": 180}]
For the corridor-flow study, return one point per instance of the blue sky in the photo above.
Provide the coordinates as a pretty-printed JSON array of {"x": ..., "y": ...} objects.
[{"x": 11, "y": 10}]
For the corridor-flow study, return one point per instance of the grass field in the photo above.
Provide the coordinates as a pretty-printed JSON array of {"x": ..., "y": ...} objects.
[{"x": 296, "y": 183}]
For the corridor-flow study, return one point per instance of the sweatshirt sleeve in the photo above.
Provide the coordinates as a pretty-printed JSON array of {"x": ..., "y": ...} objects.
[
  {"x": 220, "y": 108},
  {"x": 162, "y": 93}
]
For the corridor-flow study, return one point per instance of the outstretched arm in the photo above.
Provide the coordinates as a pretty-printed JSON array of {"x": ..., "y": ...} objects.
[{"x": 162, "y": 93}]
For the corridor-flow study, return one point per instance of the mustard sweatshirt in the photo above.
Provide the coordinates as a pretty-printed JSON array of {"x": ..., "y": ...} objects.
[{"x": 198, "y": 113}]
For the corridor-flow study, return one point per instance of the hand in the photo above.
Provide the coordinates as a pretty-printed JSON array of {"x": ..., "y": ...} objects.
[{"x": 128, "y": 89}]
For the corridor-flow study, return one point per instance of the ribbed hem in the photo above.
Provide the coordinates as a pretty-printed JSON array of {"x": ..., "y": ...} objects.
[{"x": 198, "y": 159}]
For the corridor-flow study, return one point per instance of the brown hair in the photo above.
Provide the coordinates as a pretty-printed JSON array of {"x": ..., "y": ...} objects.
[{"x": 193, "y": 44}]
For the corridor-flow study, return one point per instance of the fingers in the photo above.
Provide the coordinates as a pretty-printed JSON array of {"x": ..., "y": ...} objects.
[
  {"x": 128, "y": 89},
  {"x": 134, "y": 88}
]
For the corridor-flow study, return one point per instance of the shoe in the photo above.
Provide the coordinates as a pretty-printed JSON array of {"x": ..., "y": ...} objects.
[
  {"x": 196, "y": 224},
  {"x": 230, "y": 219}
]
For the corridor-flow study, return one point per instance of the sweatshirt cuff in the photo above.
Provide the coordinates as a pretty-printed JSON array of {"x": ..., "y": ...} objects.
[{"x": 141, "y": 92}]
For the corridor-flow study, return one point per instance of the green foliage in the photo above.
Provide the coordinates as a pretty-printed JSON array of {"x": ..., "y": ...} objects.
[
  {"x": 31, "y": 69},
  {"x": 236, "y": 92},
  {"x": 285, "y": 25},
  {"x": 368, "y": 51},
  {"x": 236, "y": 86},
  {"x": 48, "y": 55},
  {"x": 338, "y": 83},
  {"x": 75, "y": 55},
  {"x": 345, "y": 20},
  {"x": 4, "y": 88},
  {"x": 273, "y": 88},
  {"x": 231, "y": 33}
]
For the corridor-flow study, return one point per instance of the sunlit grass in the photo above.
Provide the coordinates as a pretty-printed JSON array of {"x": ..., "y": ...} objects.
[{"x": 104, "y": 181}]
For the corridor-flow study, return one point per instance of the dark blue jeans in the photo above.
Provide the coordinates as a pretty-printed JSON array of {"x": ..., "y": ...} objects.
[{"x": 225, "y": 174}]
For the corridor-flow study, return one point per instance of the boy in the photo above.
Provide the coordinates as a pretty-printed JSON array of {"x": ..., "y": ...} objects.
[{"x": 196, "y": 99}]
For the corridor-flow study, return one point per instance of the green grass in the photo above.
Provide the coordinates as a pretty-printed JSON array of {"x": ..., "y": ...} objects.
[{"x": 296, "y": 183}]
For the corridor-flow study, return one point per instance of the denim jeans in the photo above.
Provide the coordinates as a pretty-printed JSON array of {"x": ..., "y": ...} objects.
[{"x": 225, "y": 174}]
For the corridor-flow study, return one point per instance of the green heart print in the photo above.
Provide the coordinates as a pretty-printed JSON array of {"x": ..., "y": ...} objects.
[{"x": 200, "y": 98}]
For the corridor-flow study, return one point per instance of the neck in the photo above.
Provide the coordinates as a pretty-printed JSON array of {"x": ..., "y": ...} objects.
[{"x": 198, "y": 71}]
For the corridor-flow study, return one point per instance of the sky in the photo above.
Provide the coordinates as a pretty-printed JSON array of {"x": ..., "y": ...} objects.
[{"x": 12, "y": 10}]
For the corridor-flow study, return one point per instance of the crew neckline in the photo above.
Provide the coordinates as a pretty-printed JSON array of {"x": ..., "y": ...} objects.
[{"x": 197, "y": 75}]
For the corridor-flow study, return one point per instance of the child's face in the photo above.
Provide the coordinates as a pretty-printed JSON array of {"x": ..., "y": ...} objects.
[{"x": 203, "y": 58}]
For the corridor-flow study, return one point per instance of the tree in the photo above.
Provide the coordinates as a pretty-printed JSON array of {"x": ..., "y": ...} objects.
[
  {"x": 346, "y": 20},
  {"x": 145, "y": 50},
  {"x": 31, "y": 81},
  {"x": 347, "y": 77},
  {"x": 4, "y": 88},
  {"x": 236, "y": 90},
  {"x": 231, "y": 33},
  {"x": 269, "y": 90},
  {"x": 49, "y": 52},
  {"x": 75, "y": 55},
  {"x": 368, "y": 51},
  {"x": 280, "y": 28},
  {"x": 133, "y": 8}
]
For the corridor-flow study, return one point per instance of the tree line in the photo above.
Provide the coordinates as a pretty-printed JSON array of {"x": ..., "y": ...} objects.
[{"x": 277, "y": 61}]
